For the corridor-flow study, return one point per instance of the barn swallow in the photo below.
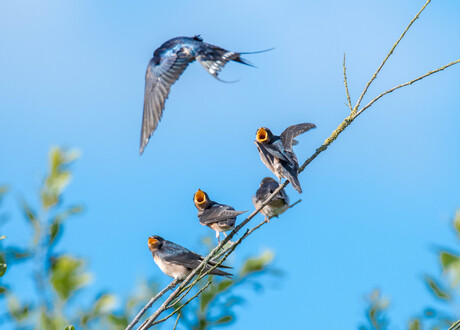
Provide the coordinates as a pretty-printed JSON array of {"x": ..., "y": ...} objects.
[
  {"x": 167, "y": 64},
  {"x": 176, "y": 261},
  {"x": 277, "y": 205},
  {"x": 217, "y": 216},
  {"x": 277, "y": 154}
]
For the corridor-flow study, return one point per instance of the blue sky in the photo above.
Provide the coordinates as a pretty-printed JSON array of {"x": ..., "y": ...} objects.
[{"x": 374, "y": 204}]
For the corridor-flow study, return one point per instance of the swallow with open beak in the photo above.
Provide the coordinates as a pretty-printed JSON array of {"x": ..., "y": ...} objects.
[
  {"x": 169, "y": 61},
  {"x": 277, "y": 154},
  {"x": 277, "y": 205},
  {"x": 217, "y": 216},
  {"x": 176, "y": 261}
]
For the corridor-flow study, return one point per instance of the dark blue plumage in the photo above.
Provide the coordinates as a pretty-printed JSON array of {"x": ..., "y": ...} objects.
[{"x": 169, "y": 61}]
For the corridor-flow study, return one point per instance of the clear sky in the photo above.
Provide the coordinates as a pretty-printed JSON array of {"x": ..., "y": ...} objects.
[{"x": 374, "y": 204}]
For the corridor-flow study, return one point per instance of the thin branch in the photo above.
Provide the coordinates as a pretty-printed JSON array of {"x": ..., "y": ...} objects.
[
  {"x": 346, "y": 83},
  {"x": 429, "y": 73},
  {"x": 182, "y": 306},
  {"x": 455, "y": 326},
  {"x": 150, "y": 303},
  {"x": 177, "y": 321},
  {"x": 388, "y": 56}
]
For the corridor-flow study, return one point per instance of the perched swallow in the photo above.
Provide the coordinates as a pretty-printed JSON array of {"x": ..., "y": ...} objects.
[
  {"x": 217, "y": 216},
  {"x": 277, "y": 205},
  {"x": 168, "y": 63},
  {"x": 176, "y": 261},
  {"x": 277, "y": 154}
]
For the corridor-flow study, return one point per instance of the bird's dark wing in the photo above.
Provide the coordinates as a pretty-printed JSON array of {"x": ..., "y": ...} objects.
[
  {"x": 158, "y": 80},
  {"x": 177, "y": 254},
  {"x": 292, "y": 131},
  {"x": 218, "y": 213},
  {"x": 276, "y": 150}
]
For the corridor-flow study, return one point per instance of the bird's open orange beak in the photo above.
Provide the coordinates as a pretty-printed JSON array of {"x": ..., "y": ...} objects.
[
  {"x": 261, "y": 135},
  {"x": 200, "y": 197}
]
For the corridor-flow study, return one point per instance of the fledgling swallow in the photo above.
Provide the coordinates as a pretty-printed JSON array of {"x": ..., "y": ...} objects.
[
  {"x": 217, "y": 216},
  {"x": 176, "y": 261},
  {"x": 169, "y": 61},
  {"x": 277, "y": 205},
  {"x": 277, "y": 154}
]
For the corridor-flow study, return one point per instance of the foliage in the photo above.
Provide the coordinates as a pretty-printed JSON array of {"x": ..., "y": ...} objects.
[
  {"x": 442, "y": 313},
  {"x": 376, "y": 312}
]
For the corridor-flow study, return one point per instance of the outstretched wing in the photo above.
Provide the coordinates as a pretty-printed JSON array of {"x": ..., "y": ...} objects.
[
  {"x": 291, "y": 132},
  {"x": 218, "y": 213},
  {"x": 158, "y": 80}
]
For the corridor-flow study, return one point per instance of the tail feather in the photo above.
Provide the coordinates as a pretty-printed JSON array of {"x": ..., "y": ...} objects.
[
  {"x": 295, "y": 182},
  {"x": 214, "y": 58}
]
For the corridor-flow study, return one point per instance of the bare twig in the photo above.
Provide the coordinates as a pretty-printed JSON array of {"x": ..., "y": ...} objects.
[
  {"x": 455, "y": 326},
  {"x": 200, "y": 270},
  {"x": 346, "y": 83},
  {"x": 182, "y": 306},
  {"x": 177, "y": 321},
  {"x": 150, "y": 303},
  {"x": 388, "y": 56},
  {"x": 429, "y": 73}
]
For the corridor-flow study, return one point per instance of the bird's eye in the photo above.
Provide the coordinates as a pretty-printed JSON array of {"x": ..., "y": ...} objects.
[
  {"x": 200, "y": 197},
  {"x": 261, "y": 135}
]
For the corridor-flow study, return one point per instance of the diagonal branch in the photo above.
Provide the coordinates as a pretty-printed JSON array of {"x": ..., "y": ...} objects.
[
  {"x": 150, "y": 303},
  {"x": 388, "y": 56}
]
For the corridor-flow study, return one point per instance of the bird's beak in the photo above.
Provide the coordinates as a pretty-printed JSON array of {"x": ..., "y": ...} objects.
[
  {"x": 261, "y": 135},
  {"x": 200, "y": 197},
  {"x": 152, "y": 241}
]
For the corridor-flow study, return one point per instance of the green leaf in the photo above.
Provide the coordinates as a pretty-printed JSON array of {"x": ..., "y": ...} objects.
[
  {"x": 457, "y": 222},
  {"x": 118, "y": 321},
  {"x": 67, "y": 276},
  {"x": 224, "y": 319},
  {"x": 69, "y": 327},
  {"x": 104, "y": 304},
  {"x": 257, "y": 264},
  {"x": 436, "y": 289},
  {"x": 59, "y": 176},
  {"x": 3, "y": 290},
  {"x": 205, "y": 298},
  {"x": 415, "y": 325},
  {"x": 224, "y": 284},
  {"x": 451, "y": 264},
  {"x": 2, "y": 269},
  {"x": 29, "y": 213},
  {"x": 2, "y": 237},
  {"x": 17, "y": 311}
]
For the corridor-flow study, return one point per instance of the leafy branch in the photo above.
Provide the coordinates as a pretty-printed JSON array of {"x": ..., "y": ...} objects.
[{"x": 355, "y": 112}]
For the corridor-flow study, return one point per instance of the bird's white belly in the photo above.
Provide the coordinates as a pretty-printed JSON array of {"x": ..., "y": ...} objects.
[{"x": 171, "y": 269}]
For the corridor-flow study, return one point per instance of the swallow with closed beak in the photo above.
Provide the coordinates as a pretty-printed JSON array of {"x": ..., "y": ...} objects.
[
  {"x": 176, "y": 261},
  {"x": 217, "y": 216},
  {"x": 277, "y": 205},
  {"x": 277, "y": 154}
]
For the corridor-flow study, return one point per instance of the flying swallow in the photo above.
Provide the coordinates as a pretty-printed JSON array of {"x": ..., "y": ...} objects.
[
  {"x": 277, "y": 205},
  {"x": 167, "y": 64},
  {"x": 176, "y": 261},
  {"x": 277, "y": 154},
  {"x": 217, "y": 216}
]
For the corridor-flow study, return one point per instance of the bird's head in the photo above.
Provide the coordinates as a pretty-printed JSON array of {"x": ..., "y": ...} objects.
[
  {"x": 267, "y": 180},
  {"x": 264, "y": 135},
  {"x": 155, "y": 243},
  {"x": 201, "y": 200}
]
